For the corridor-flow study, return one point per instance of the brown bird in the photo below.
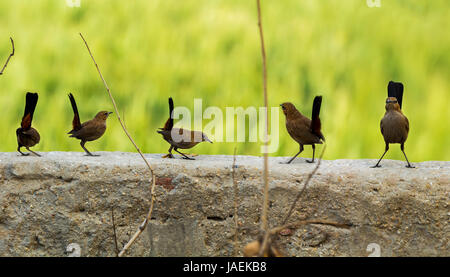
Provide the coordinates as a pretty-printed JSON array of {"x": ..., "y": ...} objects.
[
  {"x": 303, "y": 130},
  {"x": 89, "y": 130},
  {"x": 27, "y": 136},
  {"x": 394, "y": 125},
  {"x": 178, "y": 137}
]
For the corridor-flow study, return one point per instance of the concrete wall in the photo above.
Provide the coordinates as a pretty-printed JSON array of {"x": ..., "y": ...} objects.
[{"x": 65, "y": 197}]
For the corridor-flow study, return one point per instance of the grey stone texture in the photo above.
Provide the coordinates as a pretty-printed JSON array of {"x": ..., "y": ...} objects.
[{"x": 61, "y": 198}]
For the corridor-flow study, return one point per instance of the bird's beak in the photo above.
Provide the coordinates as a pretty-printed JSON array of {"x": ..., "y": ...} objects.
[
  {"x": 110, "y": 113},
  {"x": 207, "y": 139}
]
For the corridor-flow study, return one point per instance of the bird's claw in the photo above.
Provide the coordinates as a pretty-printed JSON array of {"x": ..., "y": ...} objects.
[
  {"x": 169, "y": 156},
  {"x": 375, "y": 166},
  {"x": 410, "y": 166},
  {"x": 188, "y": 158},
  {"x": 308, "y": 161}
]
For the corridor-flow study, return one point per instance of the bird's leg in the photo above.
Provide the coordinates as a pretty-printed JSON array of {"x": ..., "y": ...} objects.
[
  {"x": 184, "y": 156},
  {"x": 32, "y": 151},
  {"x": 301, "y": 150},
  {"x": 403, "y": 150},
  {"x": 378, "y": 163},
  {"x": 314, "y": 151},
  {"x": 23, "y": 154},
  {"x": 170, "y": 156},
  {"x": 87, "y": 151}
]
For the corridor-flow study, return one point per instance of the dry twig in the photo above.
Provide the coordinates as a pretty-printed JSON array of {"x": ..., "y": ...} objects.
[
  {"x": 114, "y": 232},
  {"x": 10, "y": 55},
  {"x": 236, "y": 195},
  {"x": 153, "y": 179},
  {"x": 264, "y": 224}
]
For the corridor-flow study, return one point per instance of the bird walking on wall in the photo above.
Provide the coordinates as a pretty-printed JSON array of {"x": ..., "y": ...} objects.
[
  {"x": 394, "y": 125},
  {"x": 180, "y": 138},
  {"x": 303, "y": 130},
  {"x": 27, "y": 136},
  {"x": 89, "y": 130}
]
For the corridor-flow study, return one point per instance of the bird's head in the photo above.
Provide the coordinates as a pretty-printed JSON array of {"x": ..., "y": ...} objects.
[
  {"x": 392, "y": 104},
  {"x": 288, "y": 108},
  {"x": 103, "y": 115}
]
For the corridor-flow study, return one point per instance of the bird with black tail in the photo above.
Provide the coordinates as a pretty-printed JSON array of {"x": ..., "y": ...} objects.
[
  {"x": 303, "y": 130},
  {"x": 180, "y": 138},
  {"x": 90, "y": 130},
  {"x": 27, "y": 136},
  {"x": 394, "y": 125}
]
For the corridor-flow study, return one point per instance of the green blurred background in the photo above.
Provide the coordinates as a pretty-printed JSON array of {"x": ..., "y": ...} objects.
[{"x": 149, "y": 50}]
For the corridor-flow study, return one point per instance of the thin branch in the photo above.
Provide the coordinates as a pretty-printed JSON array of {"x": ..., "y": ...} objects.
[
  {"x": 114, "y": 232},
  {"x": 236, "y": 195},
  {"x": 265, "y": 207},
  {"x": 304, "y": 186},
  {"x": 10, "y": 55},
  {"x": 153, "y": 179}
]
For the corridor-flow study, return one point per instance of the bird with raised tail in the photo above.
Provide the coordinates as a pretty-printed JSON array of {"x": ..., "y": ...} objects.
[
  {"x": 180, "y": 138},
  {"x": 303, "y": 130},
  {"x": 394, "y": 125},
  {"x": 90, "y": 130},
  {"x": 27, "y": 136}
]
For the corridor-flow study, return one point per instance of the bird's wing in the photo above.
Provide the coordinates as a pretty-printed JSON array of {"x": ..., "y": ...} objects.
[
  {"x": 407, "y": 124},
  {"x": 90, "y": 130},
  {"x": 30, "y": 106},
  {"x": 298, "y": 127},
  {"x": 76, "y": 124}
]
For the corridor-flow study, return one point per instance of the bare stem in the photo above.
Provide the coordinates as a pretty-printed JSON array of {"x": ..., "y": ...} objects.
[
  {"x": 114, "y": 232},
  {"x": 236, "y": 195},
  {"x": 10, "y": 55},
  {"x": 153, "y": 179},
  {"x": 264, "y": 224}
]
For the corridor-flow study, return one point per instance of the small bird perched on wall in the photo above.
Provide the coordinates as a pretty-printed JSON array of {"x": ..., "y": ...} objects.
[
  {"x": 89, "y": 130},
  {"x": 178, "y": 137},
  {"x": 27, "y": 136},
  {"x": 394, "y": 125},
  {"x": 303, "y": 130}
]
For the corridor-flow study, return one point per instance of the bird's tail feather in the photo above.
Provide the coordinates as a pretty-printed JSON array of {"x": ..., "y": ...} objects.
[
  {"x": 76, "y": 124},
  {"x": 395, "y": 89},
  {"x": 30, "y": 105},
  {"x": 315, "y": 119},
  {"x": 169, "y": 123}
]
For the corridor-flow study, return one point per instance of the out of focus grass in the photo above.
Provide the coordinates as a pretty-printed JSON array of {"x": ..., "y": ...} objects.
[{"x": 209, "y": 49}]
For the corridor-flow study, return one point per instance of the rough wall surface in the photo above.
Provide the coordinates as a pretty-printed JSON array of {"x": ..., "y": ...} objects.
[{"x": 65, "y": 197}]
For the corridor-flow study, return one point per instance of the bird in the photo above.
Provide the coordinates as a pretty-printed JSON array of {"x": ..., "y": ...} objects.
[
  {"x": 27, "y": 136},
  {"x": 179, "y": 137},
  {"x": 89, "y": 130},
  {"x": 303, "y": 130},
  {"x": 394, "y": 125}
]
